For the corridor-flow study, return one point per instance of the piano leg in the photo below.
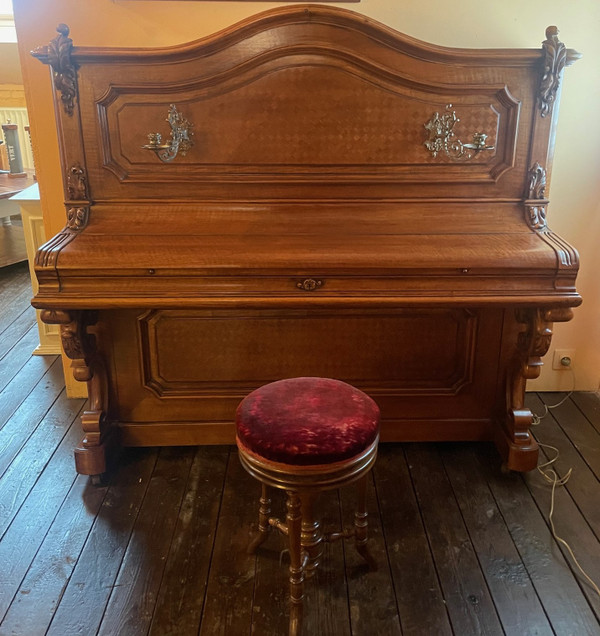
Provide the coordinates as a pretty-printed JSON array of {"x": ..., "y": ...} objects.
[
  {"x": 514, "y": 440},
  {"x": 79, "y": 345}
]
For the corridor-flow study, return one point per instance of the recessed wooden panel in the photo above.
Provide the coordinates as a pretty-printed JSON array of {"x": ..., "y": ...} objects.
[
  {"x": 295, "y": 118},
  {"x": 188, "y": 353},
  {"x": 190, "y": 368}
]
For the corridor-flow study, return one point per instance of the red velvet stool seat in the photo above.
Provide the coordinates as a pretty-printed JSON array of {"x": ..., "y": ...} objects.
[{"x": 305, "y": 435}]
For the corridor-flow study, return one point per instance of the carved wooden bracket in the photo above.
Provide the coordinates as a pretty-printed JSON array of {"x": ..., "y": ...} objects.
[
  {"x": 88, "y": 366},
  {"x": 65, "y": 70},
  {"x": 532, "y": 344}
]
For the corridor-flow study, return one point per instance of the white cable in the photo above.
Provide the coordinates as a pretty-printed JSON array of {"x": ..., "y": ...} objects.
[{"x": 551, "y": 476}]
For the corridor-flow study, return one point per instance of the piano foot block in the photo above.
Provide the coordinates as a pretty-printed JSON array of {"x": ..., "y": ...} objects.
[
  {"x": 516, "y": 457},
  {"x": 96, "y": 461}
]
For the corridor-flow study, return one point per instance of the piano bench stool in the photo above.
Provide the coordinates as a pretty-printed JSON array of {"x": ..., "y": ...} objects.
[{"x": 306, "y": 435}]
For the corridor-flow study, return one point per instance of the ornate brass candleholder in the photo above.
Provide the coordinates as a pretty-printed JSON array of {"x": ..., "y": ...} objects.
[
  {"x": 180, "y": 141},
  {"x": 441, "y": 138}
]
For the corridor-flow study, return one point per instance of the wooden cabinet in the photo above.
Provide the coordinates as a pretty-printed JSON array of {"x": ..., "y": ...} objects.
[{"x": 306, "y": 193}]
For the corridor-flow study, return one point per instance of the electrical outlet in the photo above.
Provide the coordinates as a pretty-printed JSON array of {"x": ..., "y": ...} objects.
[{"x": 561, "y": 356}]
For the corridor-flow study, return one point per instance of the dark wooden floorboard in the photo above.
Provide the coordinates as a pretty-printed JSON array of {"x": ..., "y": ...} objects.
[
  {"x": 38, "y": 405},
  {"x": 583, "y": 485},
  {"x": 161, "y": 548},
  {"x": 29, "y": 526},
  {"x": 18, "y": 355},
  {"x": 559, "y": 592},
  {"x": 465, "y": 590},
  {"x": 87, "y": 592},
  {"x": 371, "y": 595},
  {"x": 511, "y": 588},
  {"x": 580, "y": 431},
  {"x": 25, "y": 469},
  {"x": 589, "y": 404},
  {"x": 21, "y": 385},
  {"x": 180, "y": 601},
  {"x": 421, "y": 605},
  {"x": 133, "y": 598},
  {"x": 16, "y": 330},
  {"x": 41, "y": 589},
  {"x": 229, "y": 592},
  {"x": 13, "y": 279}
]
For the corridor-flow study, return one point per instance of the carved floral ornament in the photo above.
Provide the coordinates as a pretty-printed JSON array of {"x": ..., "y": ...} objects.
[
  {"x": 77, "y": 218},
  {"x": 77, "y": 189},
  {"x": 536, "y": 197},
  {"x": 556, "y": 57}
]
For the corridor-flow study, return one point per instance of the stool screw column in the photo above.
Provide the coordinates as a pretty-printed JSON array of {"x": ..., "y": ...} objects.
[{"x": 312, "y": 536}]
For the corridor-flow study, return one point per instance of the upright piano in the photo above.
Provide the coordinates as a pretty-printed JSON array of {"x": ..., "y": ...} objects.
[{"x": 305, "y": 193}]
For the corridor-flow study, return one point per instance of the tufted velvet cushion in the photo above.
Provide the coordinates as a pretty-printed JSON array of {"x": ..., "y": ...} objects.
[{"x": 306, "y": 421}]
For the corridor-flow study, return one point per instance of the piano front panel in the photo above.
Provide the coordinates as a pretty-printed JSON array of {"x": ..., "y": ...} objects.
[{"x": 189, "y": 368}]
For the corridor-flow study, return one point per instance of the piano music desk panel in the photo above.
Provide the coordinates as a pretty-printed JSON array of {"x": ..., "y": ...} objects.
[{"x": 306, "y": 193}]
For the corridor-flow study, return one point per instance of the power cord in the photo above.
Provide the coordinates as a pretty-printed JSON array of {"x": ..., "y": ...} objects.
[{"x": 552, "y": 477}]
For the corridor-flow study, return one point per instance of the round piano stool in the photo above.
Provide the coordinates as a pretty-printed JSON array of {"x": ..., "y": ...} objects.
[{"x": 304, "y": 436}]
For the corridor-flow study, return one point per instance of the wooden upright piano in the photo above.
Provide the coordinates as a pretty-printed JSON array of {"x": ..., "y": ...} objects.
[{"x": 307, "y": 192}]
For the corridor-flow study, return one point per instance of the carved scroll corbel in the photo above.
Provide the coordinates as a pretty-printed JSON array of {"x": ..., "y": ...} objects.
[
  {"x": 88, "y": 366},
  {"x": 63, "y": 67},
  {"x": 532, "y": 344}
]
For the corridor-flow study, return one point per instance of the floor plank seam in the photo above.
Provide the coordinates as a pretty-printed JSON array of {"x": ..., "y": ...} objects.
[
  {"x": 377, "y": 489},
  {"x": 169, "y": 551},
  {"x": 469, "y": 535},
  {"x": 33, "y": 430},
  {"x": 212, "y": 550},
  {"x": 18, "y": 587},
  {"x": 118, "y": 570}
]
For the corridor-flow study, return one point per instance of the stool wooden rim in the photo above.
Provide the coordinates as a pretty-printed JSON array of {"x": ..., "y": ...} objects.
[{"x": 316, "y": 476}]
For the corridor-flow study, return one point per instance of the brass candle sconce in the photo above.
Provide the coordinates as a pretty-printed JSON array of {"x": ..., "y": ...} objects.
[
  {"x": 442, "y": 138},
  {"x": 180, "y": 141}
]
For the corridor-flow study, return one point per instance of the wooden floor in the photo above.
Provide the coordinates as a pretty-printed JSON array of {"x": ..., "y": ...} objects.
[{"x": 462, "y": 549}]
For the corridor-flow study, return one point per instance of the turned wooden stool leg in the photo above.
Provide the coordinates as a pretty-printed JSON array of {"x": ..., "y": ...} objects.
[
  {"x": 312, "y": 537},
  {"x": 294, "y": 526},
  {"x": 264, "y": 512},
  {"x": 361, "y": 523}
]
